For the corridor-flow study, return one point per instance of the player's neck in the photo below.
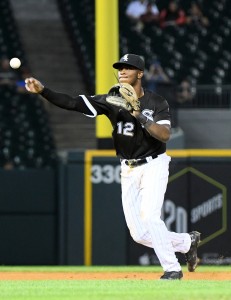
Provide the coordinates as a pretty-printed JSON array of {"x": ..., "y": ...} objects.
[
  {"x": 141, "y": 92},
  {"x": 139, "y": 89}
]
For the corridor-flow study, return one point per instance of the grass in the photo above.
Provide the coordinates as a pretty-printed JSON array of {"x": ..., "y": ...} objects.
[{"x": 112, "y": 289}]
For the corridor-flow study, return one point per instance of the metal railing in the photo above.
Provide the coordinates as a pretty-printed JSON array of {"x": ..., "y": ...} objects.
[{"x": 209, "y": 96}]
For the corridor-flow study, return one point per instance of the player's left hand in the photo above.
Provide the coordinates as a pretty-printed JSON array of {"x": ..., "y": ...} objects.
[
  {"x": 124, "y": 96},
  {"x": 128, "y": 93}
]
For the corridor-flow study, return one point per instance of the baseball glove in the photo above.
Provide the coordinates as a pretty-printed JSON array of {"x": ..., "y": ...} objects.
[{"x": 124, "y": 96}]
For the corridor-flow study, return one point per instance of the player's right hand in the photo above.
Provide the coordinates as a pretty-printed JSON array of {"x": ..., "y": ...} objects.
[{"x": 33, "y": 85}]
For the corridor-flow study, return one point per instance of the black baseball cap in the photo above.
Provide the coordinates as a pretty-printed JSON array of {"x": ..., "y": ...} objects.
[{"x": 130, "y": 60}]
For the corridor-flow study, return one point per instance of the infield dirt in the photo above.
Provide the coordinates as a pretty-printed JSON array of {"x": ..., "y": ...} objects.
[{"x": 108, "y": 276}]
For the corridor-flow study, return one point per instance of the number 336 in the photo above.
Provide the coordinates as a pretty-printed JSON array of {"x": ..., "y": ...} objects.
[{"x": 105, "y": 174}]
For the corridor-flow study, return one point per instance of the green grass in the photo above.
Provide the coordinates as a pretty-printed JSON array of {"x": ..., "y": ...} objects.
[{"x": 113, "y": 289}]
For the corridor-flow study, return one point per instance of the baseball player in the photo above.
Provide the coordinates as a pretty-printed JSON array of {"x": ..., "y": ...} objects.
[{"x": 141, "y": 127}]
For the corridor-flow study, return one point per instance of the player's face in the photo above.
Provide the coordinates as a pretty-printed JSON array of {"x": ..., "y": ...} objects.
[{"x": 128, "y": 74}]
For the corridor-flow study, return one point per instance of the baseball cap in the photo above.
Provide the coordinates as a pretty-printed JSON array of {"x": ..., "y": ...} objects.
[{"x": 130, "y": 60}]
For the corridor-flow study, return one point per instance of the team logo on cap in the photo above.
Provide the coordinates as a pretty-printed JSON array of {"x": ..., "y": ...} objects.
[{"x": 125, "y": 57}]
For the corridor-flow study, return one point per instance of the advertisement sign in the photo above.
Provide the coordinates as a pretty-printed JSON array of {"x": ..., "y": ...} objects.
[{"x": 197, "y": 198}]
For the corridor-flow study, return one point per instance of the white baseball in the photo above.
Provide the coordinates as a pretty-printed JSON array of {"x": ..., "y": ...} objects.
[{"x": 15, "y": 63}]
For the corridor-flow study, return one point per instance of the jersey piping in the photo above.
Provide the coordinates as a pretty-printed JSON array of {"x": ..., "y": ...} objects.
[{"x": 91, "y": 108}]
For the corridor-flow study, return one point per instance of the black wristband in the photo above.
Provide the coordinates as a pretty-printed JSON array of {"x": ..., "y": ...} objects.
[
  {"x": 43, "y": 91},
  {"x": 142, "y": 119}
]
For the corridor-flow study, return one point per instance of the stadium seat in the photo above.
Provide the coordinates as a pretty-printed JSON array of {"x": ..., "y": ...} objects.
[
  {"x": 201, "y": 54},
  {"x": 24, "y": 128}
]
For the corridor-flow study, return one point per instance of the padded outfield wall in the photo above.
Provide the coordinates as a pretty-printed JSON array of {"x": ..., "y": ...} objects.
[
  {"x": 73, "y": 215},
  {"x": 198, "y": 197}
]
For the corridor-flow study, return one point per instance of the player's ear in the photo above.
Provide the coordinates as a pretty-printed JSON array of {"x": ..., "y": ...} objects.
[{"x": 140, "y": 74}]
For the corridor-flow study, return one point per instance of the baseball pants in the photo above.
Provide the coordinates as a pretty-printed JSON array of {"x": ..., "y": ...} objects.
[{"x": 143, "y": 190}]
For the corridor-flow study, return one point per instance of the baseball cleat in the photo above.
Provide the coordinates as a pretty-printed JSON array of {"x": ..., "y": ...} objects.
[
  {"x": 174, "y": 275},
  {"x": 191, "y": 256}
]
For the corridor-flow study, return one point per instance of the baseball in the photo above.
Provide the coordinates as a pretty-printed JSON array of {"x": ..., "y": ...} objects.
[{"x": 15, "y": 63}]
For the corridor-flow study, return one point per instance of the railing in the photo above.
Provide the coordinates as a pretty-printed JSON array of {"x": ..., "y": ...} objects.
[{"x": 209, "y": 96}]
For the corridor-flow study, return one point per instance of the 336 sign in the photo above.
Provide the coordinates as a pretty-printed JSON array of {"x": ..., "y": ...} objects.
[{"x": 105, "y": 174}]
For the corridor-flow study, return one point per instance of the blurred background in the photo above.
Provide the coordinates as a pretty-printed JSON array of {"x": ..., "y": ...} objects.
[{"x": 45, "y": 152}]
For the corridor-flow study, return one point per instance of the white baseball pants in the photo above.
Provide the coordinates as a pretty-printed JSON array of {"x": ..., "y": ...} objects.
[{"x": 143, "y": 190}]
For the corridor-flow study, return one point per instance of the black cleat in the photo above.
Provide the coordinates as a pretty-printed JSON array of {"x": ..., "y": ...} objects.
[
  {"x": 191, "y": 255},
  {"x": 174, "y": 275}
]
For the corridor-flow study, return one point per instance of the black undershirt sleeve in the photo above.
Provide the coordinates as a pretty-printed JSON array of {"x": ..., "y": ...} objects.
[{"x": 65, "y": 101}]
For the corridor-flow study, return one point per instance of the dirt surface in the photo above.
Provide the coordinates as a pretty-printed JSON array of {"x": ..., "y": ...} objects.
[{"x": 107, "y": 276}]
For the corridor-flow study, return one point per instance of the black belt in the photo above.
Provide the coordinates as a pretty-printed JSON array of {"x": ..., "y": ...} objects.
[{"x": 132, "y": 163}]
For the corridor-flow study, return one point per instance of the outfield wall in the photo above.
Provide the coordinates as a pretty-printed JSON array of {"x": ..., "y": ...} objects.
[
  {"x": 28, "y": 217},
  {"x": 198, "y": 198},
  {"x": 73, "y": 215}
]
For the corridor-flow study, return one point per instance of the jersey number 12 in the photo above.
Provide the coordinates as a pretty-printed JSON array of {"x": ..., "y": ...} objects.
[{"x": 125, "y": 128}]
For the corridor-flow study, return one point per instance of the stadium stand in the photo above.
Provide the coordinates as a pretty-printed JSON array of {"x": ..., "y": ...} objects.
[
  {"x": 25, "y": 135},
  {"x": 10, "y": 44},
  {"x": 26, "y": 139},
  {"x": 78, "y": 17},
  {"x": 202, "y": 54}
]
